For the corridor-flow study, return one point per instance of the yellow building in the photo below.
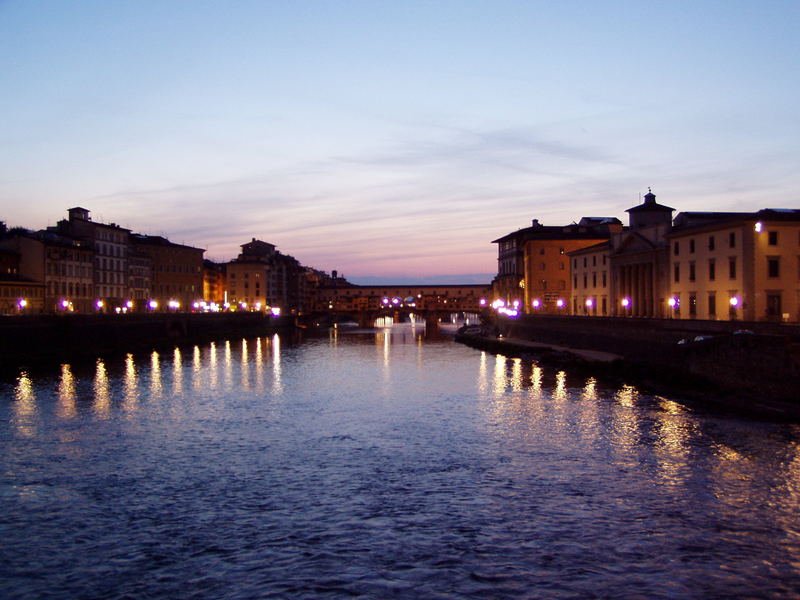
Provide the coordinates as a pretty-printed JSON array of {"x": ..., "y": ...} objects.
[
  {"x": 590, "y": 267},
  {"x": 534, "y": 267},
  {"x": 736, "y": 266}
]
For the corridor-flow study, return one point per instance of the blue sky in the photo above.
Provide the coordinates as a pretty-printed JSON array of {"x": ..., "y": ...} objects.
[{"x": 391, "y": 139}]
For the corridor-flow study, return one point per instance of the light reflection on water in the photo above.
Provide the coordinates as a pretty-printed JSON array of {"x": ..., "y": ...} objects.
[
  {"x": 102, "y": 391},
  {"x": 375, "y": 462}
]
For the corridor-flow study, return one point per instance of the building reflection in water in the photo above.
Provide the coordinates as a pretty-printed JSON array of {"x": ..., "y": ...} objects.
[
  {"x": 197, "y": 369},
  {"x": 228, "y": 367},
  {"x": 560, "y": 389},
  {"x": 102, "y": 391},
  {"x": 483, "y": 373},
  {"x": 536, "y": 382},
  {"x": 24, "y": 406},
  {"x": 590, "y": 389},
  {"x": 673, "y": 431},
  {"x": 130, "y": 385},
  {"x": 259, "y": 360},
  {"x": 499, "y": 378},
  {"x": 586, "y": 411},
  {"x": 387, "y": 338},
  {"x": 212, "y": 366},
  {"x": 244, "y": 366},
  {"x": 625, "y": 434},
  {"x": 66, "y": 394},
  {"x": 177, "y": 371},
  {"x": 516, "y": 375},
  {"x": 156, "y": 387},
  {"x": 277, "y": 379}
]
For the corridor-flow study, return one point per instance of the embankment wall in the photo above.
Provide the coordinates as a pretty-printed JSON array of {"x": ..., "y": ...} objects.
[
  {"x": 762, "y": 364},
  {"x": 26, "y": 339}
]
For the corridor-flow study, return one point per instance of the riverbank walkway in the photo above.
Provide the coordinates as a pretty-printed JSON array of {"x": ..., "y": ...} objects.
[{"x": 590, "y": 355}]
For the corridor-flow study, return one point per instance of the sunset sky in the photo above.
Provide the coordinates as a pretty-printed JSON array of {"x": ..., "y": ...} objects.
[{"x": 391, "y": 140}]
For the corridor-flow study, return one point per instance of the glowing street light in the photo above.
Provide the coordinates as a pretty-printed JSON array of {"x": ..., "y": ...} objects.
[
  {"x": 734, "y": 301},
  {"x": 22, "y": 303},
  {"x": 626, "y": 303},
  {"x": 589, "y": 303},
  {"x": 536, "y": 303},
  {"x": 276, "y": 312},
  {"x": 482, "y": 302},
  {"x": 560, "y": 303},
  {"x": 759, "y": 227},
  {"x": 152, "y": 305},
  {"x": 129, "y": 304}
]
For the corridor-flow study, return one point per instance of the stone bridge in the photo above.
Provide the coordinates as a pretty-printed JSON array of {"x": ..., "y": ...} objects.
[{"x": 365, "y": 304}]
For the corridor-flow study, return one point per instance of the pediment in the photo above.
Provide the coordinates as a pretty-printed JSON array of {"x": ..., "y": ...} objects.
[{"x": 631, "y": 241}]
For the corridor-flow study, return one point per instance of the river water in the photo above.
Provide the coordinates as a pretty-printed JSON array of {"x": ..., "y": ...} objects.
[{"x": 382, "y": 464}]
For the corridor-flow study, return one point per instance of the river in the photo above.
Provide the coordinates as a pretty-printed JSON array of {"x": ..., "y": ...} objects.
[{"x": 381, "y": 464}]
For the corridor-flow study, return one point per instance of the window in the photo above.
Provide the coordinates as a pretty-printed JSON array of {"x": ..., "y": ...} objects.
[
  {"x": 584, "y": 261},
  {"x": 712, "y": 270},
  {"x": 594, "y": 279},
  {"x": 575, "y": 281},
  {"x": 574, "y": 263},
  {"x": 561, "y": 266},
  {"x": 773, "y": 238},
  {"x": 604, "y": 259},
  {"x": 732, "y": 239},
  {"x": 584, "y": 280},
  {"x": 773, "y": 266},
  {"x": 712, "y": 304},
  {"x": 732, "y": 267},
  {"x": 541, "y": 250},
  {"x": 711, "y": 242},
  {"x": 542, "y": 266},
  {"x": 677, "y": 273},
  {"x": 676, "y": 248},
  {"x": 691, "y": 246},
  {"x": 594, "y": 261},
  {"x": 604, "y": 279},
  {"x": 692, "y": 271},
  {"x": 692, "y": 304}
]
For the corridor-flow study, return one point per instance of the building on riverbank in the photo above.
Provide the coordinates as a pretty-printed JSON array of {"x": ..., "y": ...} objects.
[
  {"x": 176, "y": 271},
  {"x": 110, "y": 243},
  {"x": 63, "y": 265},
  {"x": 262, "y": 278},
  {"x": 736, "y": 266},
  {"x": 702, "y": 265},
  {"x": 533, "y": 263}
]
